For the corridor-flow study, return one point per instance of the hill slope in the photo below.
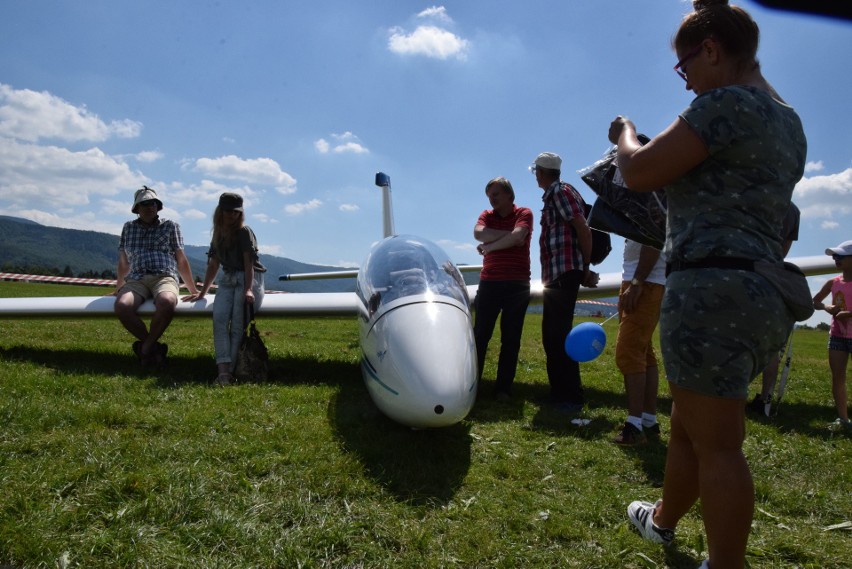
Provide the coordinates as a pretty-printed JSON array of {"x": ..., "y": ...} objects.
[{"x": 29, "y": 245}]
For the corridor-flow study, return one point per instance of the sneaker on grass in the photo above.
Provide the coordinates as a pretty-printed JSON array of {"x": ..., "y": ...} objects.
[
  {"x": 641, "y": 515},
  {"x": 652, "y": 433},
  {"x": 629, "y": 436},
  {"x": 757, "y": 405}
]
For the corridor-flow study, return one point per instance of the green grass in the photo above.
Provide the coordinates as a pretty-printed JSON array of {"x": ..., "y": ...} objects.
[{"x": 104, "y": 465}]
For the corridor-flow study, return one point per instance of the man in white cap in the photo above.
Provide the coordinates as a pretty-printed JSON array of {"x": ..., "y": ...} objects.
[
  {"x": 150, "y": 257},
  {"x": 565, "y": 250}
]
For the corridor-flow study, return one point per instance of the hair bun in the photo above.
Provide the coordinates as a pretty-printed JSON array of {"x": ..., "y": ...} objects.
[{"x": 704, "y": 4}]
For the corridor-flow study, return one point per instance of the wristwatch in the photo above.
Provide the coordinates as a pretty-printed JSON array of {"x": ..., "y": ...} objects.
[{"x": 636, "y": 282}]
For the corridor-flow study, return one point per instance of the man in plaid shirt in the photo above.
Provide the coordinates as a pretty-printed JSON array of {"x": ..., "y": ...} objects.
[
  {"x": 150, "y": 257},
  {"x": 565, "y": 249}
]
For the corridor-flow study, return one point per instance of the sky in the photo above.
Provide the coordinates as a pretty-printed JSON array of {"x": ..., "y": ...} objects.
[{"x": 296, "y": 106}]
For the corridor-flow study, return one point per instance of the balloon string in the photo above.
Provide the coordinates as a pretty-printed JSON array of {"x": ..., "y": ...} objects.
[{"x": 614, "y": 314}]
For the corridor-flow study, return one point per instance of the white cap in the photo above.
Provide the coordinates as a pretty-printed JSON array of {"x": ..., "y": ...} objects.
[
  {"x": 843, "y": 249},
  {"x": 548, "y": 160}
]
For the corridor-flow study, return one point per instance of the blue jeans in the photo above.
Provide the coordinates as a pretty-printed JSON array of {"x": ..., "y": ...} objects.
[
  {"x": 228, "y": 313},
  {"x": 511, "y": 298}
]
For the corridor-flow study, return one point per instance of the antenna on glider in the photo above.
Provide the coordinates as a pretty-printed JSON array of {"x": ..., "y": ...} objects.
[{"x": 383, "y": 181}]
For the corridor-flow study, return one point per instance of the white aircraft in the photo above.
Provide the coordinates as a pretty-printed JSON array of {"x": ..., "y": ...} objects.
[{"x": 416, "y": 334}]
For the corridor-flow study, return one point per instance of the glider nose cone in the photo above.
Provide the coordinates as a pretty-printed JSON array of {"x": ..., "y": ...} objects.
[{"x": 421, "y": 371}]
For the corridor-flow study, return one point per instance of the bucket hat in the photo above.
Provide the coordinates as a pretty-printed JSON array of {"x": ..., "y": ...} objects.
[{"x": 143, "y": 195}]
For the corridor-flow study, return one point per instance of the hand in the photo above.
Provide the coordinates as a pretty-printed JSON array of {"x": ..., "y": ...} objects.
[
  {"x": 250, "y": 297},
  {"x": 629, "y": 298},
  {"x": 591, "y": 279},
  {"x": 481, "y": 249},
  {"x": 198, "y": 295},
  {"x": 617, "y": 125}
]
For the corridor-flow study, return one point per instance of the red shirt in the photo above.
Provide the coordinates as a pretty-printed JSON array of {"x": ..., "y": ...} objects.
[{"x": 512, "y": 264}]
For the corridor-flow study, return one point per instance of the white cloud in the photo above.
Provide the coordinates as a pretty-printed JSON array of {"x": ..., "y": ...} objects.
[
  {"x": 838, "y": 185},
  {"x": 252, "y": 170},
  {"x": 275, "y": 250},
  {"x": 428, "y": 41},
  {"x": 827, "y": 197},
  {"x": 349, "y": 207},
  {"x": 193, "y": 213},
  {"x": 343, "y": 143},
  {"x": 205, "y": 191},
  {"x": 30, "y": 116},
  {"x": 814, "y": 166},
  {"x": 455, "y": 245},
  {"x": 148, "y": 155},
  {"x": 86, "y": 221},
  {"x": 436, "y": 13},
  {"x": 50, "y": 176},
  {"x": 300, "y": 208},
  {"x": 263, "y": 218}
]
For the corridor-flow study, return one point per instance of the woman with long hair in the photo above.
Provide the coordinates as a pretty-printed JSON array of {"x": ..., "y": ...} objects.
[{"x": 234, "y": 249}]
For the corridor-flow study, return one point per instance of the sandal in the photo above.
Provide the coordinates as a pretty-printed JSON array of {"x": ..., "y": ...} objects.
[
  {"x": 223, "y": 379},
  {"x": 155, "y": 358}
]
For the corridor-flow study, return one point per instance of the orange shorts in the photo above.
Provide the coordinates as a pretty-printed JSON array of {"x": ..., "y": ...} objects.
[{"x": 634, "y": 349}]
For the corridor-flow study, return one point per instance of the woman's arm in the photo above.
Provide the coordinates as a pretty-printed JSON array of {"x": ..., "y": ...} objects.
[
  {"x": 248, "y": 268},
  {"x": 666, "y": 158}
]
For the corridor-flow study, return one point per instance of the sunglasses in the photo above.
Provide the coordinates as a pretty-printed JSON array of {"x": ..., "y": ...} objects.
[
  {"x": 148, "y": 203},
  {"x": 839, "y": 257},
  {"x": 680, "y": 67}
]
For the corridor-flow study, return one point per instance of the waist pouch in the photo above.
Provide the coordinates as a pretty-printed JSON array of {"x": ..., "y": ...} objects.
[{"x": 787, "y": 278}]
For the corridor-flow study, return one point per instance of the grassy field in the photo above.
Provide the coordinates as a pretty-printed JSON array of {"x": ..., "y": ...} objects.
[{"x": 105, "y": 465}]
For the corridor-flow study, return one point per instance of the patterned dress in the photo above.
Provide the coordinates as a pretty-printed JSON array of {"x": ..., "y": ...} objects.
[{"x": 719, "y": 326}]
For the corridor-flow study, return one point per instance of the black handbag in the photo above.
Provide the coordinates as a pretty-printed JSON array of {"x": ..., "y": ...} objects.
[
  {"x": 252, "y": 357},
  {"x": 645, "y": 211}
]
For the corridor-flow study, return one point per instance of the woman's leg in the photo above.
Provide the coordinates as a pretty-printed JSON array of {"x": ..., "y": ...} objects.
[
  {"x": 222, "y": 309},
  {"x": 680, "y": 482},
  {"x": 238, "y": 323},
  {"x": 715, "y": 429}
]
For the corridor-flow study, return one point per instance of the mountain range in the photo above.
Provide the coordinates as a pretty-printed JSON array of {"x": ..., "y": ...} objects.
[{"x": 28, "y": 245}]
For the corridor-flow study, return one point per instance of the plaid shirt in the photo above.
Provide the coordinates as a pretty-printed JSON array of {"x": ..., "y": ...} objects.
[
  {"x": 151, "y": 250},
  {"x": 558, "y": 244}
]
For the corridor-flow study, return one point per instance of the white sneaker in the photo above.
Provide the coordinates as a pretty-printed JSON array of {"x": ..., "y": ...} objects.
[{"x": 641, "y": 515}]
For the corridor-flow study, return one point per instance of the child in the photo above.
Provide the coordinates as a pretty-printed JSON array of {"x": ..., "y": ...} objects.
[{"x": 840, "y": 334}]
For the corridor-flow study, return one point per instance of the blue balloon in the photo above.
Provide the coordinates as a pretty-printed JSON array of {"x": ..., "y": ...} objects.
[{"x": 585, "y": 342}]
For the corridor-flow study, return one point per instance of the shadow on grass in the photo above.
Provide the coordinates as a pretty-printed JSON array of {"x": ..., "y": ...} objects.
[
  {"x": 421, "y": 467},
  {"x": 178, "y": 370}
]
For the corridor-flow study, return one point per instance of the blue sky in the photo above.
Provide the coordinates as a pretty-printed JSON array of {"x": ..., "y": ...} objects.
[{"x": 296, "y": 105}]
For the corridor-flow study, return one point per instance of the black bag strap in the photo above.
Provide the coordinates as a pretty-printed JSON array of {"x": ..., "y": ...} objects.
[
  {"x": 248, "y": 316},
  {"x": 733, "y": 263}
]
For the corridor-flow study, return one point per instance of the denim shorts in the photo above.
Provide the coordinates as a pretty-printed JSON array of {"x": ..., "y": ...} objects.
[
  {"x": 840, "y": 344},
  {"x": 718, "y": 328}
]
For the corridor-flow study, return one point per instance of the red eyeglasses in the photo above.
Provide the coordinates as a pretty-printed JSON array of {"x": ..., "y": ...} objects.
[{"x": 680, "y": 68}]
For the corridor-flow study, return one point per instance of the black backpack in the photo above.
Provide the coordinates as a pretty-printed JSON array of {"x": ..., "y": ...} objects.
[{"x": 601, "y": 242}]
